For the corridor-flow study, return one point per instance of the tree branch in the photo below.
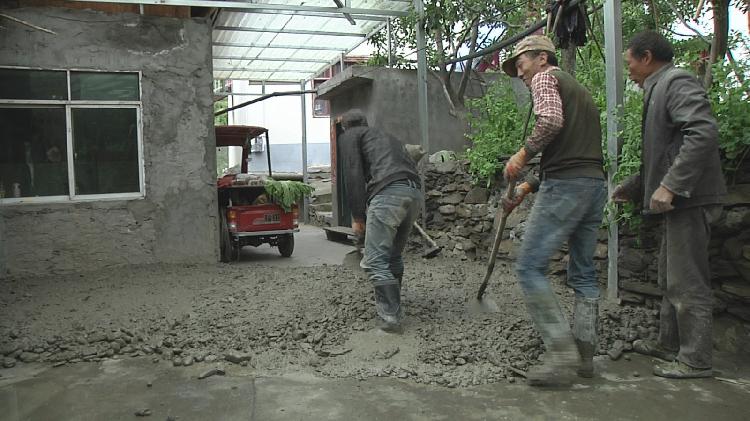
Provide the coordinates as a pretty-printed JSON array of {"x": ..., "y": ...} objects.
[{"x": 468, "y": 67}]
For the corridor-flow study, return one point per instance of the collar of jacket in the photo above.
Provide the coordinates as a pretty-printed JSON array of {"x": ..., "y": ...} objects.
[{"x": 654, "y": 77}]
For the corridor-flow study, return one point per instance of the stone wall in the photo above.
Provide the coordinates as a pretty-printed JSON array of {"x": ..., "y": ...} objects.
[
  {"x": 729, "y": 252},
  {"x": 177, "y": 220},
  {"x": 461, "y": 216}
]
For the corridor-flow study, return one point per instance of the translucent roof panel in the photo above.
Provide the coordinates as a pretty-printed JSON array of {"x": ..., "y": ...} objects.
[{"x": 292, "y": 41}]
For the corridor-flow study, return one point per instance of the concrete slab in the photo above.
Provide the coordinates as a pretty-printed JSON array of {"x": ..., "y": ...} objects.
[
  {"x": 310, "y": 249},
  {"x": 116, "y": 389}
]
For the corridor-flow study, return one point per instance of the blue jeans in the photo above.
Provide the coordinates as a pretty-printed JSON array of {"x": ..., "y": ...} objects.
[
  {"x": 564, "y": 209},
  {"x": 390, "y": 216}
]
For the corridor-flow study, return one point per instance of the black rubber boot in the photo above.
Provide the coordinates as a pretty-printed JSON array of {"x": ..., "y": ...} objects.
[
  {"x": 585, "y": 331},
  {"x": 562, "y": 356},
  {"x": 388, "y": 307}
]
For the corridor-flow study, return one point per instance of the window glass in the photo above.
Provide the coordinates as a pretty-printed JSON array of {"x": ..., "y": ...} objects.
[
  {"x": 33, "y": 158},
  {"x": 105, "y": 145},
  {"x": 104, "y": 86},
  {"x": 33, "y": 84}
]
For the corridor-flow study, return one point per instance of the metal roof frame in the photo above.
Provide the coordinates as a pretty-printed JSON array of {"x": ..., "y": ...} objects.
[{"x": 286, "y": 40}]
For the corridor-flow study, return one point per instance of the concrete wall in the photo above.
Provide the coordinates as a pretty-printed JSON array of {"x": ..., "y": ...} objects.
[
  {"x": 390, "y": 102},
  {"x": 177, "y": 220}
]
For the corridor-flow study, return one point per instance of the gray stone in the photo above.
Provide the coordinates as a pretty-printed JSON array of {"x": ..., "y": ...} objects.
[
  {"x": 732, "y": 248},
  {"x": 742, "y": 266},
  {"x": 633, "y": 260},
  {"x": 640, "y": 287},
  {"x": 477, "y": 195},
  {"x": 740, "y": 312},
  {"x": 236, "y": 357},
  {"x": 450, "y": 187},
  {"x": 722, "y": 269},
  {"x": 188, "y": 361},
  {"x": 143, "y": 412},
  {"x": 28, "y": 357},
  {"x": 339, "y": 351},
  {"x": 8, "y": 348},
  {"x": 212, "y": 372},
  {"x": 447, "y": 210},
  {"x": 463, "y": 212},
  {"x": 738, "y": 288},
  {"x": 434, "y": 193},
  {"x": 615, "y": 352},
  {"x": 479, "y": 211},
  {"x": 9, "y": 362},
  {"x": 601, "y": 251},
  {"x": 447, "y": 167},
  {"x": 451, "y": 199}
]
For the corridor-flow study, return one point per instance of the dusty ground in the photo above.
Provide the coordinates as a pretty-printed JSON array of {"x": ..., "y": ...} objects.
[{"x": 274, "y": 321}]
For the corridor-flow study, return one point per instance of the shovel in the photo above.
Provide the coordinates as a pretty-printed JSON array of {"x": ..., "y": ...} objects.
[
  {"x": 352, "y": 259},
  {"x": 482, "y": 304},
  {"x": 434, "y": 249}
]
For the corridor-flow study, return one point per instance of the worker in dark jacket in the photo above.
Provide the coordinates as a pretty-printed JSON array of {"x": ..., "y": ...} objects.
[
  {"x": 680, "y": 179},
  {"x": 568, "y": 207},
  {"x": 382, "y": 184}
]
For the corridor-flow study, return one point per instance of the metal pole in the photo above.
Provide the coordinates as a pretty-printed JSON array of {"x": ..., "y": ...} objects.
[
  {"x": 268, "y": 154},
  {"x": 390, "y": 45},
  {"x": 614, "y": 84},
  {"x": 306, "y": 200},
  {"x": 342, "y": 62},
  {"x": 422, "y": 94}
]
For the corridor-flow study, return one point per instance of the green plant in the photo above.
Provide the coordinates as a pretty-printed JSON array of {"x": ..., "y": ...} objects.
[
  {"x": 287, "y": 193},
  {"x": 731, "y": 105},
  {"x": 496, "y": 126}
]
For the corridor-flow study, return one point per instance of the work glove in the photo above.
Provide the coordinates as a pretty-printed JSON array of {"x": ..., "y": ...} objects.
[
  {"x": 519, "y": 194},
  {"x": 515, "y": 164}
]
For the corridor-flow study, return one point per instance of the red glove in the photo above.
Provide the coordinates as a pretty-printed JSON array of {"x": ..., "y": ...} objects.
[
  {"x": 518, "y": 195},
  {"x": 515, "y": 165}
]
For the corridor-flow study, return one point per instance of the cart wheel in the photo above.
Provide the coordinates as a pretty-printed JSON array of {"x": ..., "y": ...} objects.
[
  {"x": 225, "y": 240},
  {"x": 286, "y": 244}
]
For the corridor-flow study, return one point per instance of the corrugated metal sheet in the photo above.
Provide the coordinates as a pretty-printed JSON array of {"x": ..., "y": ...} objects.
[{"x": 290, "y": 46}]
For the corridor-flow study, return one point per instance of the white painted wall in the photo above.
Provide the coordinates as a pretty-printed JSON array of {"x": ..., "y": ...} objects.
[{"x": 282, "y": 116}]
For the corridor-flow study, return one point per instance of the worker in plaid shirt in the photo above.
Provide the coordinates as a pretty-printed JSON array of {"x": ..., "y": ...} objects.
[{"x": 568, "y": 207}]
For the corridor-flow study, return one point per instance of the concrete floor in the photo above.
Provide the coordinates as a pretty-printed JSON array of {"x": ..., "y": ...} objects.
[
  {"x": 116, "y": 389},
  {"x": 310, "y": 249}
]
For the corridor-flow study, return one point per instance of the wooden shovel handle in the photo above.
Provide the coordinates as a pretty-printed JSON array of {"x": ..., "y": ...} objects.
[{"x": 498, "y": 239}]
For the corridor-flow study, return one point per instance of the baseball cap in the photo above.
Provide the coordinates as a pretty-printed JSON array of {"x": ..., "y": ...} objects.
[{"x": 530, "y": 43}]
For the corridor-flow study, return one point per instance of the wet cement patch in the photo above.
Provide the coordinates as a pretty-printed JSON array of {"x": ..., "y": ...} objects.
[{"x": 116, "y": 389}]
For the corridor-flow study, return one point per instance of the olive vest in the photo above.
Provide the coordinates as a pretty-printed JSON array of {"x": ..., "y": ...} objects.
[{"x": 576, "y": 151}]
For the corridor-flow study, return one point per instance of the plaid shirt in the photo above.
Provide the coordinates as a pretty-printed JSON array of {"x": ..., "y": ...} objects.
[{"x": 548, "y": 110}]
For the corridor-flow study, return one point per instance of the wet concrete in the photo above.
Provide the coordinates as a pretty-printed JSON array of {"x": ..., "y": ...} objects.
[{"x": 116, "y": 389}]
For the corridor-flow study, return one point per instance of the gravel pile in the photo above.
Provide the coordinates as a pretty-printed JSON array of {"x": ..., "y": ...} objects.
[{"x": 296, "y": 319}]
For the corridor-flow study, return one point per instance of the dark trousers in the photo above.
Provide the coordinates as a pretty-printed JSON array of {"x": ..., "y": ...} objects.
[{"x": 685, "y": 280}]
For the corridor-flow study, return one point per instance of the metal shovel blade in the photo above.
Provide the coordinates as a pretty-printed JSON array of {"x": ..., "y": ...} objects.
[
  {"x": 352, "y": 259},
  {"x": 482, "y": 306}
]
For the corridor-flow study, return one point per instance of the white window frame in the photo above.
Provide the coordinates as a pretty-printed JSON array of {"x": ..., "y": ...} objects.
[{"x": 69, "y": 105}]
